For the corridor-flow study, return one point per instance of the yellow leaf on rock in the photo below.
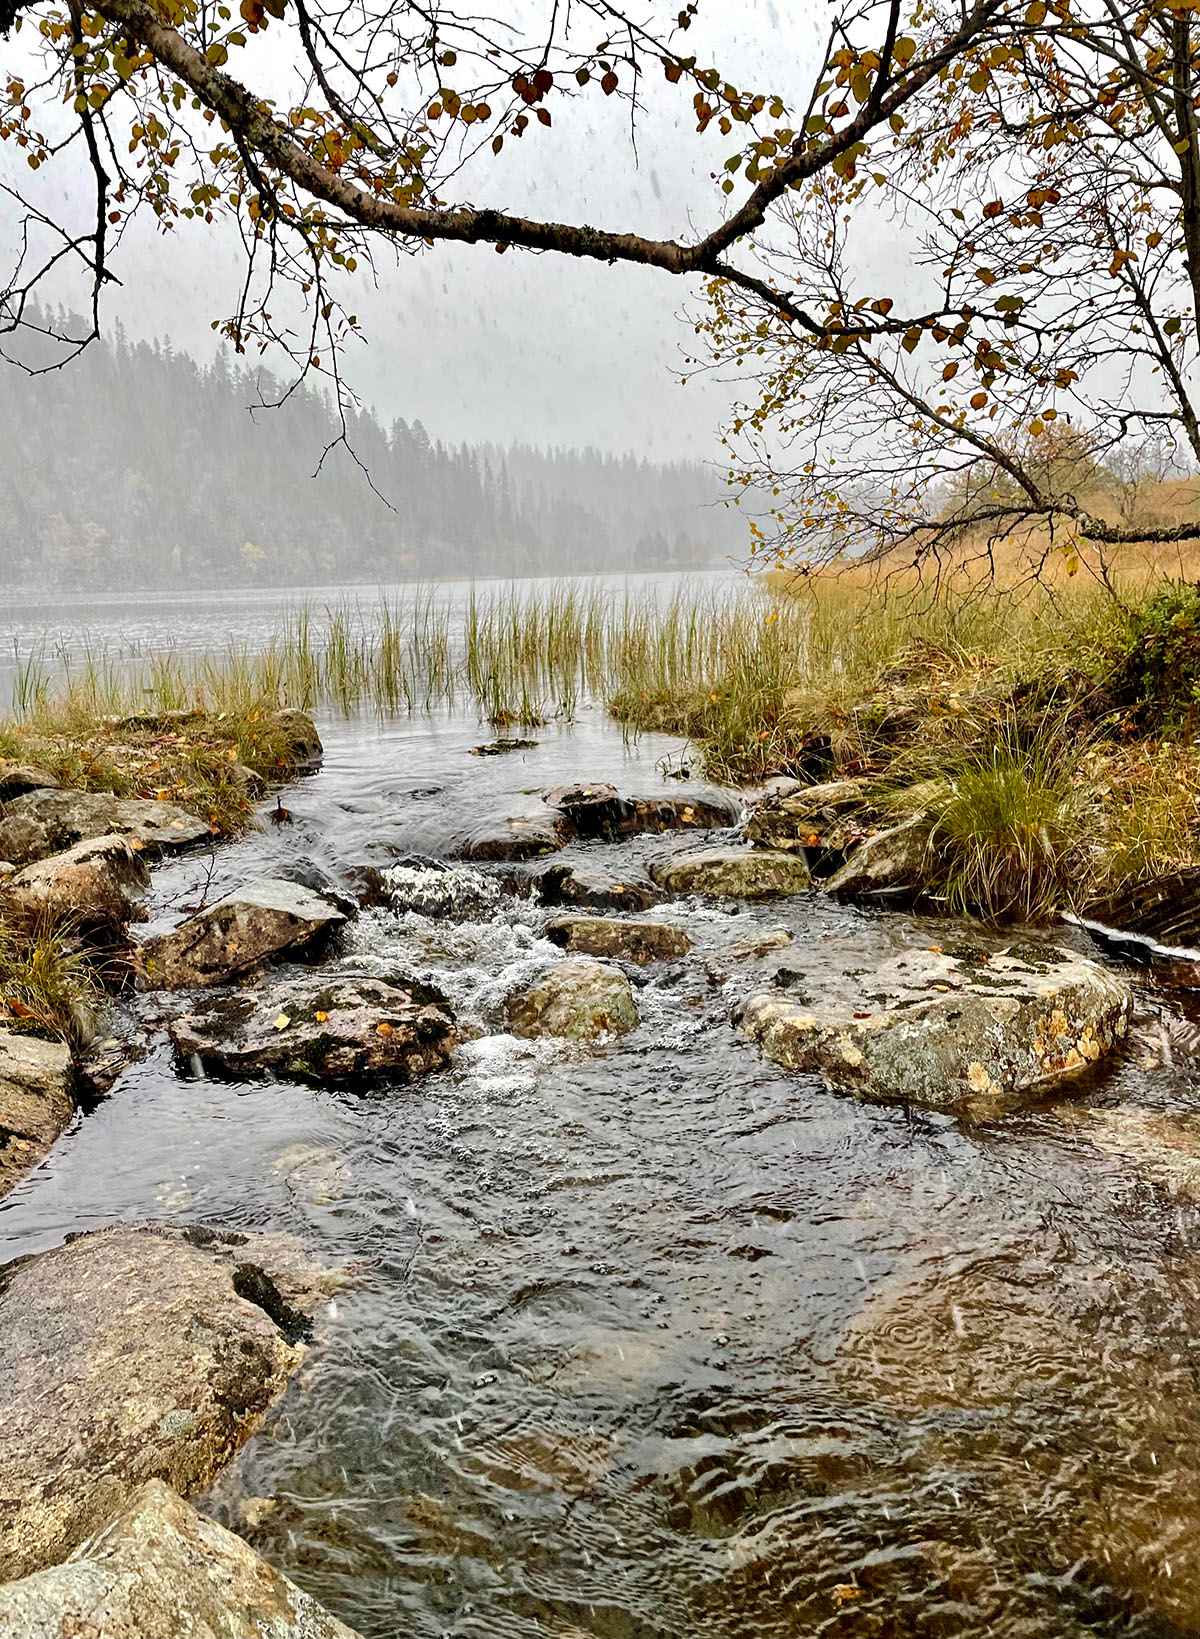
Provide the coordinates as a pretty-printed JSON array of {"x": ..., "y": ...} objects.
[
  {"x": 282, "y": 1021},
  {"x": 383, "y": 1029},
  {"x": 321, "y": 1017}
]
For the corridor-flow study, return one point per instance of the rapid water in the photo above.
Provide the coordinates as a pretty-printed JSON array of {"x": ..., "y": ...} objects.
[{"x": 654, "y": 1341}]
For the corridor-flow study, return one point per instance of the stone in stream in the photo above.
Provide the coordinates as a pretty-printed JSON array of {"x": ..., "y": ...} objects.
[
  {"x": 731, "y": 873},
  {"x": 891, "y": 864},
  {"x": 46, "y": 822},
  {"x": 591, "y": 887},
  {"x": 578, "y": 999},
  {"x": 618, "y": 936},
  {"x": 320, "y": 1028},
  {"x": 160, "y": 1570},
  {"x": 965, "y": 1032},
  {"x": 143, "y": 1351},
  {"x": 1161, "y": 1145},
  {"x": 819, "y": 821},
  {"x": 524, "y": 836},
  {"x": 434, "y": 887},
  {"x": 263, "y": 920},
  {"x": 1162, "y": 913},
  {"x": 35, "y": 1101},
  {"x": 97, "y": 886},
  {"x": 600, "y": 811}
]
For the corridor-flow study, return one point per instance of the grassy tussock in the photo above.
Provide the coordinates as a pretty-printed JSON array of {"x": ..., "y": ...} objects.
[{"x": 49, "y": 984}]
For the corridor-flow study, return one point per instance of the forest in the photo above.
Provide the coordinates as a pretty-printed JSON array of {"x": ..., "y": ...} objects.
[{"x": 141, "y": 465}]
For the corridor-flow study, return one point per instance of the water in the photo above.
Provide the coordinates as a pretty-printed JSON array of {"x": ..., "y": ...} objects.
[{"x": 653, "y": 1341}]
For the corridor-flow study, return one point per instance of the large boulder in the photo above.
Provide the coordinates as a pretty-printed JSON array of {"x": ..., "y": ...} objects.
[
  {"x": 320, "y": 1028},
  {"x": 814, "y": 820},
  {"x": 577, "y": 999},
  {"x": 731, "y": 873},
  {"x": 524, "y": 836},
  {"x": 158, "y": 1571},
  {"x": 591, "y": 887},
  {"x": 600, "y": 811},
  {"x": 265, "y": 919},
  {"x": 45, "y": 822},
  {"x": 891, "y": 864},
  {"x": 966, "y": 1032},
  {"x": 98, "y": 886},
  {"x": 35, "y": 1101},
  {"x": 618, "y": 936},
  {"x": 144, "y": 1351}
]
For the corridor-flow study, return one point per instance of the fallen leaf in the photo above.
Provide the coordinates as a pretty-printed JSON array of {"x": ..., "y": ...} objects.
[
  {"x": 321, "y": 1017},
  {"x": 383, "y": 1029},
  {"x": 282, "y": 1021}
]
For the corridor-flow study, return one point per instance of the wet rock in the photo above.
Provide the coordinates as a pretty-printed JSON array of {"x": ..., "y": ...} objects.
[
  {"x": 98, "y": 886},
  {"x": 761, "y": 945},
  {"x": 320, "y": 1028},
  {"x": 820, "y": 821},
  {"x": 1161, "y": 1145},
  {"x": 1163, "y": 912},
  {"x": 301, "y": 744},
  {"x": 157, "y": 1571},
  {"x": 501, "y": 748},
  {"x": 611, "y": 936},
  {"x": 47, "y": 822},
  {"x": 101, "y": 1065},
  {"x": 127, "y": 1355},
  {"x": 731, "y": 873},
  {"x": 263, "y": 920},
  {"x": 35, "y": 1102},
  {"x": 891, "y": 864},
  {"x": 980, "y": 1361},
  {"x": 16, "y": 779},
  {"x": 431, "y": 887},
  {"x": 578, "y": 999},
  {"x": 312, "y": 1173},
  {"x": 966, "y": 1032},
  {"x": 600, "y": 811},
  {"x": 525, "y": 836},
  {"x": 592, "y": 888}
]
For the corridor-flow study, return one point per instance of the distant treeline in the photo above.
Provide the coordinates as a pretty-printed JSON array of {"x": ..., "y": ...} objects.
[{"x": 135, "y": 465}]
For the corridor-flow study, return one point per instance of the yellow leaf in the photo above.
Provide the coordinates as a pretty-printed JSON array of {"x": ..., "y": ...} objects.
[
  {"x": 383, "y": 1029},
  {"x": 321, "y": 1017},
  {"x": 282, "y": 1021}
]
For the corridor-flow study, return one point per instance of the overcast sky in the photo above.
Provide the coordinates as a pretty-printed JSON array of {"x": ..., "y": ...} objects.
[{"x": 537, "y": 348}]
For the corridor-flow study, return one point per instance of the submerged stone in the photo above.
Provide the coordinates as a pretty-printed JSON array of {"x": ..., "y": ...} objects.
[
  {"x": 524, "y": 836},
  {"x": 321, "y": 1028},
  {"x": 158, "y": 1571},
  {"x": 265, "y": 919},
  {"x": 600, "y": 811},
  {"x": 970, "y": 1032},
  {"x": 44, "y": 822},
  {"x": 1161, "y": 1145},
  {"x": 98, "y": 886},
  {"x": 613, "y": 936},
  {"x": 591, "y": 887},
  {"x": 731, "y": 873},
  {"x": 578, "y": 999},
  {"x": 128, "y": 1355},
  {"x": 35, "y": 1102}
]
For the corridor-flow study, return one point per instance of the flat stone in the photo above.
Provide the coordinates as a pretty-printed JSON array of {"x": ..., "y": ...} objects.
[
  {"x": 600, "y": 811},
  {"x": 890, "y": 864},
  {"x": 47, "y": 822},
  {"x": 129, "y": 1354},
  {"x": 158, "y": 1571},
  {"x": 731, "y": 873},
  {"x": 262, "y": 920},
  {"x": 829, "y": 818},
  {"x": 320, "y": 1028},
  {"x": 969, "y": 1033},
  {"x": 16, "y": 779},
  {"x": 97, "y": 885},
  {"x": 579, "y": 999},
  {"x": 612, "y": 936},
  {"x": 573, "y": 882},
  {"x": 525, "y": 836},
  {"x": 35, "y": 1101}
]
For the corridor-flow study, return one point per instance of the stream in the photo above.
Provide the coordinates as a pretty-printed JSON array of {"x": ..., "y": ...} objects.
[{"x": 653, "y": 1340}]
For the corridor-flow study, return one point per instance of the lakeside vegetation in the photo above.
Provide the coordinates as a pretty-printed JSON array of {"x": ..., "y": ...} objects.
[{"x": 1045, "y": 727}]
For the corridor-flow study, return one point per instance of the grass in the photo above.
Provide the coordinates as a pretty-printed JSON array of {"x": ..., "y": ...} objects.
[{"x": 49, "y": 984}]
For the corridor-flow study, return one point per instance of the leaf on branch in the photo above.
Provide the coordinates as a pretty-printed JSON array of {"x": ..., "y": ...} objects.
[{"x": 978, "y": 400}]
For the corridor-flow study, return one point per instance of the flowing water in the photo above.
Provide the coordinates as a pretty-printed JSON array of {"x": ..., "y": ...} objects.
[{"x": 652, "y": 1340}]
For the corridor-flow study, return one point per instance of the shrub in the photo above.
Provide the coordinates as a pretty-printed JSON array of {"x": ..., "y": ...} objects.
[{"x": 1156, "y": 678}]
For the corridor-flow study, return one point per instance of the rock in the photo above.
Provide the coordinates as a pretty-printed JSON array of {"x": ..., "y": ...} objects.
[
  {"x": 1164, "y": 913},
  {"x": 592, "y": 888},
  {"x": 48, "y": 821},
  {"x": 500, "y": 748},
  {"x": 1162, "y": 1145},
  {"x": 35, "y": 1102},
  {"x": 104, "y": 1061},
  {"x": 16, "y": 779},
  {"x": 143, "y": 1351},
  {"x": 611, "y": 936},
  {"x": 761, "y": 945},
  {"x": 263, "y": 920},
  {"x": 731, "y": 873},
  {"x": 962, "y": 1032},
  {"x": 600, "y": 811},
  {"x": 890, "y": 864},
  {"x": 820, "y": 821},
  {"x": 158, "y": 1571},
  {"x": 431, "y": 887},
  {"x": 313, "y": 1173},
  {"x": 526, "y": 836},
  {"x": 578, "y": 999},
  {"x": 98, "y": 886},
  {"x": 320, "y": 1028},
  {"x": 302, "y": 746}
]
